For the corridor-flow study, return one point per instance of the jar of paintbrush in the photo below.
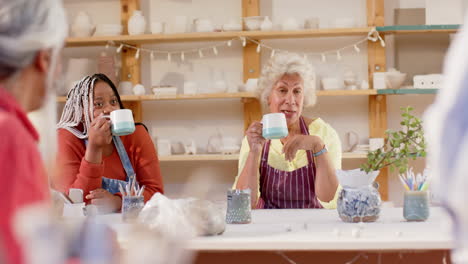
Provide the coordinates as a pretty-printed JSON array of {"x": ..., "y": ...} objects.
[
  {"x": 132, "y": 200},
  {"x": 416, "y": 199}
]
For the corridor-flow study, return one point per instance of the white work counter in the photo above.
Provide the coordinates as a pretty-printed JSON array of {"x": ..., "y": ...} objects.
[{"x": 323, "y": 230}]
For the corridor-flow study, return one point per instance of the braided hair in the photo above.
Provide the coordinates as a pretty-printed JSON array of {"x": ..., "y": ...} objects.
[{"x": 79, "y": 105}]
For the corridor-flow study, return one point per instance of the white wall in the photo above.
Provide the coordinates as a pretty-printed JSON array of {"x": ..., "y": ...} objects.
[{"x": 198, "y": 120}]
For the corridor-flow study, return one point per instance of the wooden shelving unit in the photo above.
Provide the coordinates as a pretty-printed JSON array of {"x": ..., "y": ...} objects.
[
  {"x": 377, "y": 106},
  {"x": 214, "y": 36},
  {"x": 243, "y": 95}
]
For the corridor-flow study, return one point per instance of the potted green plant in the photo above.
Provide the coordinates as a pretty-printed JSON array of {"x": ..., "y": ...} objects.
[
  {"x": 399, "y": 147},
  {"x": 359, "y": 200}
]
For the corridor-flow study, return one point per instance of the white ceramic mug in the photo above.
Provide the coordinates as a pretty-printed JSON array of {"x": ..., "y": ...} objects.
[
  {"x": 122, "y": 122},
  {"x": 274, "y": 126}
]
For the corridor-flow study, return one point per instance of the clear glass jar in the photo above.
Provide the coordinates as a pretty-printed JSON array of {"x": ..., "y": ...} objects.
[{"x": 360, "y": 204}]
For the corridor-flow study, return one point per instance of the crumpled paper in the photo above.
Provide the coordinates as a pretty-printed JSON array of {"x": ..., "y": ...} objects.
[{"x": 182, "y": 217}]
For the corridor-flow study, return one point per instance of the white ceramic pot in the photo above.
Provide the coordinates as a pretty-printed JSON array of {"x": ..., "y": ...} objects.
[
  {"x": 82, "y": 25},
  {"x": 137, "y": 23},
  {"x": 266, "y": 25},
  {"x": 139, "y": 89}
]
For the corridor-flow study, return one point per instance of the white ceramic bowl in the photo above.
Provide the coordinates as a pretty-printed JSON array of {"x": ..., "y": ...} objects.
[
  {"x": 253, "y": 22},
  {"x": 394, "y": 80}
]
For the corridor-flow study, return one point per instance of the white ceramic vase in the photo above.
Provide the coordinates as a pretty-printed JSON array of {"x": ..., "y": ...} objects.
[
  {"x": 137, "y": 23},
  {"x": 82, "y": 25},
  {"x": 266, "y": 25}
]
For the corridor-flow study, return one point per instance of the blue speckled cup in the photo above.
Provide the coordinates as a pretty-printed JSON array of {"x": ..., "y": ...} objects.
[
  {"x": 274, "y": 126},
  {"x": 416, "y": 206}
]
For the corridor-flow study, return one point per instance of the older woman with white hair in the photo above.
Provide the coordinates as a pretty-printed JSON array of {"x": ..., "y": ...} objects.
[
  {"x": 31, "y": 37},
  {"x": 297, "y": 171}
]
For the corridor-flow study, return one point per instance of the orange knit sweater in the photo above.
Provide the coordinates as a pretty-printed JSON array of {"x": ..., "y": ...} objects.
[{"x": 75, "y": 172}]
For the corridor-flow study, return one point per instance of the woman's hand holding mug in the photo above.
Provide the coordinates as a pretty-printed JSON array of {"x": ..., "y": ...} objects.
[
  {"x": 99, "y": 134},
  {"x": 255, "y": 137}
]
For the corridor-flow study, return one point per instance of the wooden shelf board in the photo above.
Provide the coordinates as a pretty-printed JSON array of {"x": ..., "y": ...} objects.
[
  {"x": 214, "y": 36},
  {"x": 407, "y": 91},
  {"x": 126, "y": 98},
  {"x": 352, "y": 155},
  {"x": 199, "y": 96},
  {"x": 418, "y": 29},
  {"x": 346, "y": 92}
]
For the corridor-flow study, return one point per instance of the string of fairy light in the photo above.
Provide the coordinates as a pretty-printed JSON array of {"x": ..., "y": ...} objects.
[{"x": 213, "y": 50}]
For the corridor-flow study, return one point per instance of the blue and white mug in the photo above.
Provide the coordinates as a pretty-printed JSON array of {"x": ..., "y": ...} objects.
[
  {"x": 274, "y": 126},
  {"x": 122, "y": 122}
]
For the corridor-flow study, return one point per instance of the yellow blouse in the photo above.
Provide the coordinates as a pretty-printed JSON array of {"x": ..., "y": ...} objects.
[{"x": 277, "y": 160}]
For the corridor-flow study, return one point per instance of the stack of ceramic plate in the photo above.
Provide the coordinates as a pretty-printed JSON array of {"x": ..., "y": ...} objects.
[{"x": 164, "y": 91}]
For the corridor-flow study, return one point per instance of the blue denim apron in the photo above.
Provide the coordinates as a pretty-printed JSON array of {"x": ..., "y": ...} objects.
[{"x": 112, "y": 185}]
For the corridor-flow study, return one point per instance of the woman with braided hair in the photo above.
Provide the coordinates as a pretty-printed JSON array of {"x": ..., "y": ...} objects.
[{"x": 93, "y": 160}]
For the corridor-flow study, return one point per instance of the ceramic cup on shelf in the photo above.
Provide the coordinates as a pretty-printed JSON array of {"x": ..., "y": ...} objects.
[
  {"x": 122, "y": 122},
  {"x": 274, "y": 126},
  {"x": 416, "y": 206}
]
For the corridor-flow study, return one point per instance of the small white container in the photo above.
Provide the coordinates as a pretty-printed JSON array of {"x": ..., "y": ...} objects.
[
  {"x": 253, "y": 23},
  {"x": 165, "y": 91},
  {"x": 164, "y": 147},
  {"x": 379, "y": 80}
]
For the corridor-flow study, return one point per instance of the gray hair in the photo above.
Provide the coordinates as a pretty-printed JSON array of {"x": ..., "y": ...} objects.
[
  {"x": 287, "y": 63},
  {"x": 26, "y": 27},
  {"x": 79, "y": 101}
]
